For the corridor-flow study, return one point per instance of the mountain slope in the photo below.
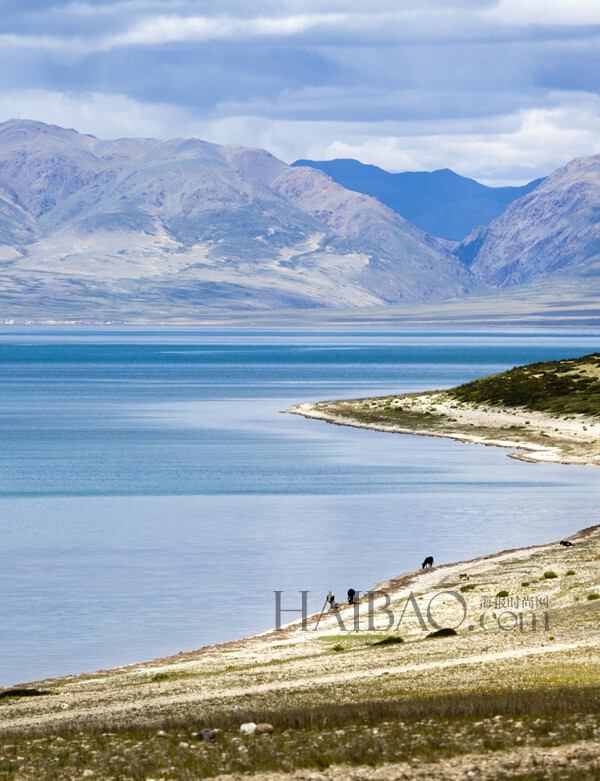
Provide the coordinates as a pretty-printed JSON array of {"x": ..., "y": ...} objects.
[
  {"x": 397, "y": 243},
  {"x": 177, "y": 227},
  {"x": 441, "y": 202},
  {"x": 553, "y": 230}
]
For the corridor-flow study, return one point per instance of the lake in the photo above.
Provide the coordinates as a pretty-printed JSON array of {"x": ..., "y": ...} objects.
[{"x": 152, "y": 496}]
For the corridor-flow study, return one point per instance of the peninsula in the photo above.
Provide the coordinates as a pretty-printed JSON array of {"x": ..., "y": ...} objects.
[{"x": 546, "y": 411}]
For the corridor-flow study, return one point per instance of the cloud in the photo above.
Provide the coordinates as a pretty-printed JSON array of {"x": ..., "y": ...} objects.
[
  {"x": 511, "y": 149},
  {"x": 543, "y": 13},
  {"x": 102, "y": 115},
  {"x": 171, "y": 29},
  {"x": 86, "y": 28},
  {"x": 41, "y": 42},
  {"x": 504, "y": 90},
  {"x": 522, "y": 147}
]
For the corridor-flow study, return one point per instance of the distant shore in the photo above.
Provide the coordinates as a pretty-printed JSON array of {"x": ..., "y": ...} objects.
[{"x": 533, "y": 436}]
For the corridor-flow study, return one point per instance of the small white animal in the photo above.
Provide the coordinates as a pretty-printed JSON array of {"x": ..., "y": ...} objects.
[{"x": 463, "y": 576}]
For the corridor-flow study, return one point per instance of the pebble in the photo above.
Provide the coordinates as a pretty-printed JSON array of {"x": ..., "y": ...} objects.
[
  {"x": 264, "y": 728},
  {"x": 88, "y": 773},
  {"x": 249, "y": 728},
  {"x": 183, "y": 744},
  {"x": 162, "y": 734}
]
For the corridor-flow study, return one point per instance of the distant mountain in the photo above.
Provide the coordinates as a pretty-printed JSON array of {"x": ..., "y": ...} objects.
[
  {"x": 148, "y": 228},
  {"x": 551, "y": 233},
  {"x": 441, "y": 203},
  {"x": 366, "y": 222}
]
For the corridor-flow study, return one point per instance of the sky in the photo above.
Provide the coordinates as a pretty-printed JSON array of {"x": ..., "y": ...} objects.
[{"x": 500, "y": 90}]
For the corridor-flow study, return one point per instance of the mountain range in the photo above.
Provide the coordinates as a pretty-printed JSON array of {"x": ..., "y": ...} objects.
[
  {"x": 552, "y": 233},
  {"x": 441, "y": 202},
  {"x": 183, "y": 226}
]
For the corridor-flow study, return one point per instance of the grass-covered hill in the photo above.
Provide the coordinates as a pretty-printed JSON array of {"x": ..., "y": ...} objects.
[
  {"x": 550, "y": 410},
  {"x": 570, "y": 386}
]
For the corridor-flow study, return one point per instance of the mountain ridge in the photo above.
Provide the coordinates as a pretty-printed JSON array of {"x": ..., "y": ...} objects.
[
  {"x": 554, "y": 231},
  {"x": 184, "y": 226},
  {"x": 441, "y": 202}
]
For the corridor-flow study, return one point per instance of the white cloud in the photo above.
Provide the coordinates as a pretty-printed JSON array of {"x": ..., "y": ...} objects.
[
  {"x": 543, "y": 12},
  {"x": 506, "y": 150},
  {"x": 143, "y": 24},
  {"x": 41, "y": 42},
  {"x": 160, "y": 30},
  {"x": 108, "y": 9},
  {"x": 509, "y": 149},
  {"x": 155, "y": 30},
  {"x": 171, "y": 29},
  {"x": 386, "y": 26},
  {"x": 539, "y": 141},
  {"x": 105, "y": 116}
]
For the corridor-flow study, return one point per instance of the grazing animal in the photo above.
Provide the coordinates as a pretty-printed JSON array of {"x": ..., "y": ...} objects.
[
  {"x": 351, "y": 593},
  {"x": 566, "y": 543},
  {"x": 428, "y": 562},
  {"x": 331, "y": 600},
  {"x": 463, "y": 576}
]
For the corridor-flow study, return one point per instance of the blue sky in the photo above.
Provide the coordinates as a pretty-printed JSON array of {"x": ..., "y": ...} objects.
[{"x": 501, "y": 90}]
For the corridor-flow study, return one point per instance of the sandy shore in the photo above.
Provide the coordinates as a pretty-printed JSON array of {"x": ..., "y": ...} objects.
[{"x": 532, "y": 436}]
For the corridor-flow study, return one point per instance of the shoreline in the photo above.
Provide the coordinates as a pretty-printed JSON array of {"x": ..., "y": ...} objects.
[
  {"x": 396, "y": 587},
  {"x": 537, "y": 437},
  {"x": 329, "y": 411},
  {"x": 390, "y": 692},
  {"x": 342, "y": 413},
  {"x": 515, "y": 678}
]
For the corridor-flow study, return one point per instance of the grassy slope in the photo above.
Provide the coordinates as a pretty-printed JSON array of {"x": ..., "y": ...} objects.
[
  {"x": 570, "y": 386},
  {"x": 550, "y": 410}
]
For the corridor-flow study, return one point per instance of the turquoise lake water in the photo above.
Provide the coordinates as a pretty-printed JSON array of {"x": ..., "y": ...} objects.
[{"x": 152, "y": 496}]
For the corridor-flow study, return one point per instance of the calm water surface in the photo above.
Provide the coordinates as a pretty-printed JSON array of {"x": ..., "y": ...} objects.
[{"x": 152, "y": 497}]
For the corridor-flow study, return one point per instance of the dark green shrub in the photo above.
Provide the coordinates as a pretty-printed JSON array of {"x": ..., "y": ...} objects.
[
  {"x": 10, "y": 693},
  {"x": 445, "y": 632},
  {"x": 391, "y": 640}
]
